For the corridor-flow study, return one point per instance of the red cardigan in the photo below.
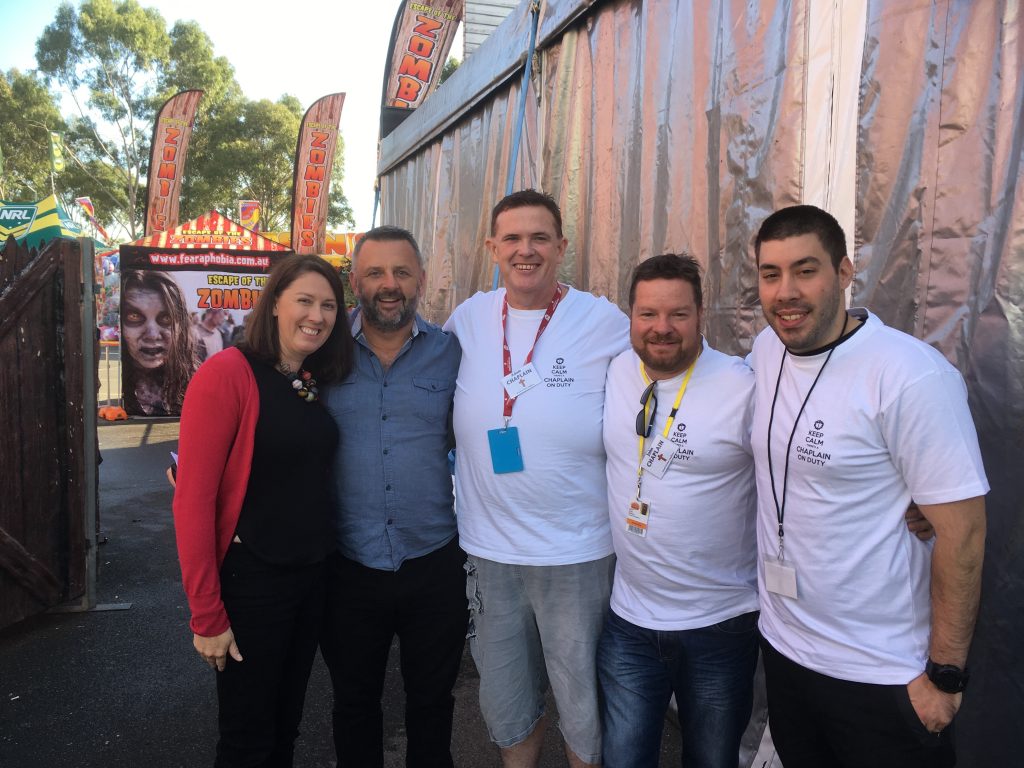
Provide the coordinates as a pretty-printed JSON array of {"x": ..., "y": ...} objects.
[{"x": 215, "y": 445}]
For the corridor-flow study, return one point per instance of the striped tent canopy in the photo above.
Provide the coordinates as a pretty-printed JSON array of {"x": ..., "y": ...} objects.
[
  {"x": 35, "y": 224},
  {"x": 211, "y": 231}
]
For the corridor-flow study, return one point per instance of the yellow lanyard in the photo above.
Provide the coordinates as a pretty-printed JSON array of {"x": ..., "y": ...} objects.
[{"x": 668, "y": 423}]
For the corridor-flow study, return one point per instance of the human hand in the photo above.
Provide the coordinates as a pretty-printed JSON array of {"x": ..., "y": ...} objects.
[
  {"x": 934, "y": 708},
  {"x": 215, "y": 650},
  {"x": 918, "y": 524}
]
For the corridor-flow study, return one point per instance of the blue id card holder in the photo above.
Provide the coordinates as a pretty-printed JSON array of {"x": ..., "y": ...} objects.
[{"x": 506, "y": 455}]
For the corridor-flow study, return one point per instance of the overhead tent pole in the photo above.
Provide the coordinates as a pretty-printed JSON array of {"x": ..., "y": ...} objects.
[{"x": 517, "y": 137}]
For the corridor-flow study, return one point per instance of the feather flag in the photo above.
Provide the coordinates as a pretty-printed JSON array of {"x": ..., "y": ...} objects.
[{"x": 90, "y": 211}]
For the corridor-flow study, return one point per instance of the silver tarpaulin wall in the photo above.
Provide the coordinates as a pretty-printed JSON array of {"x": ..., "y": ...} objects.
[
  {"x": 940, "y": 233},
  {"x": 667, "y": 126}
]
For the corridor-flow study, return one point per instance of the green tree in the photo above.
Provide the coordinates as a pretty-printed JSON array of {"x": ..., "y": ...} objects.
[
  {"x": 449, "y": 68},
  {"x": 208, "y": 180},
  {"x": 28, "y": 112},
  {"x": 127, "y": 64},
  {"x": 339, "y": 214},
  {"x": 109, "y": 50}
]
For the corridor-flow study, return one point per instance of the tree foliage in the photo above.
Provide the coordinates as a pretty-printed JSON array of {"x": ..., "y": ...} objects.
[
  {"x": 117, "y": 63},
  {"x": 28, "y": 112},
  {"x": 449, "y": 68},
  {"x": 108, "y": 52}
]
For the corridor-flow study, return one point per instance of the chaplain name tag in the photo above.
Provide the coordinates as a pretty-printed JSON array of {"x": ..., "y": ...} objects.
[
  {"x": 521, "y": 380},
  {"x": 659, "y": 456}
]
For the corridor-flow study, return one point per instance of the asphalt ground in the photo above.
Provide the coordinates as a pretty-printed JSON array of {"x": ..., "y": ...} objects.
[{"x": 120, "y": 688}]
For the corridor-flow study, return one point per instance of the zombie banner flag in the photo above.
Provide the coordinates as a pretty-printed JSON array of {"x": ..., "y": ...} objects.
[
  {"x": 420, "y": 40},
  {"x": 171, "y": 134},
  {"x": 314, "y": 159}
]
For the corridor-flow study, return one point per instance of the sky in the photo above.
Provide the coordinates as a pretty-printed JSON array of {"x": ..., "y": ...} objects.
[{"x": 342, "y": 43}]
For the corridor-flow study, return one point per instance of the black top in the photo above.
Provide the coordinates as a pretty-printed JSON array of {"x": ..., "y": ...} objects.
[{"x": 286, "y": 515}]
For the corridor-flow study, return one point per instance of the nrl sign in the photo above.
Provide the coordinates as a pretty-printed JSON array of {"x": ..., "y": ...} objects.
[{"x": 16, "y": 219}]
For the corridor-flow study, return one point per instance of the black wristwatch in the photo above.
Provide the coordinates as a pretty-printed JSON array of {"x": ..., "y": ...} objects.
[{"x": 946, "y": 677}]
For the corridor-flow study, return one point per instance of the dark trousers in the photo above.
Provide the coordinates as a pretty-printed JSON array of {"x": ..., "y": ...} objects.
[
  {"x": 819, "y": 721},
  {"x": 424, "y": 604},
  {"x": 276, "y": 613}
]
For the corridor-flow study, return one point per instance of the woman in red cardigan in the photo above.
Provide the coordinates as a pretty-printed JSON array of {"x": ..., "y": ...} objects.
[{"x": 252, "y": 507}]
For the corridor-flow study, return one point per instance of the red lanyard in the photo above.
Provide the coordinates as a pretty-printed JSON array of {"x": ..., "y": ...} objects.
[{"x": 507, "y": 354}]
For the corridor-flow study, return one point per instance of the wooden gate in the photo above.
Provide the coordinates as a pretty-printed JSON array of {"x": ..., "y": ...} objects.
[{"x": 42, "y": 469}]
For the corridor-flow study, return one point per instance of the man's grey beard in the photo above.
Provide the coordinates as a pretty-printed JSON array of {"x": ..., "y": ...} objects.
[{"x": 372, "y": 316}]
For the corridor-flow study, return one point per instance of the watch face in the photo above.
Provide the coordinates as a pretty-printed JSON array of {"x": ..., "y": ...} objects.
[{"x": 947, "y": 678}]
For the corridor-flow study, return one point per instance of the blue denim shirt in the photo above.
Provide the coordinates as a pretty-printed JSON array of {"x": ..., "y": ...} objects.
[{"x": 393, "y": 488}]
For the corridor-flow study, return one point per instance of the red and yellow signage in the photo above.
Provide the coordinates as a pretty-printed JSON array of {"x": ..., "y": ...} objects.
[
  {"x": 421, "y": 39},
  {"x": 314, "y": 160},
  {"x": 171, "y": 134},
  {"x": 249, "y": 214}
]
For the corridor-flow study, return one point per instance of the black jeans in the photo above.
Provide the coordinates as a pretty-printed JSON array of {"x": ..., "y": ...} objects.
[
  {"x": 819, "y": 721},
  {"x": 424, "y": 604},
  {"x": 276, "y": 613}
]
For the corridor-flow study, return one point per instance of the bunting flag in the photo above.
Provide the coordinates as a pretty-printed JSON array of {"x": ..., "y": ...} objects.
[
  {"x": 56, "y": 152},
  {"x": 420, "y": 41},
  {"x": 314, "y": 159},
  {"x": 90, "y": 211},
  {"x": 171, "y": 133}
]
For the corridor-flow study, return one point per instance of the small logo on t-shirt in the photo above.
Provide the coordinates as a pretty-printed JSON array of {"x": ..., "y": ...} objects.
[
  {"x": 559, "y": 378},
  {"x": 812, "y": 450},
  {"x": 678, "y": 437}
]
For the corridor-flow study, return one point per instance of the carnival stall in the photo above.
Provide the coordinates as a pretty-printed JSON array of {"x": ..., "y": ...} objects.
[{"x": 185, "y": 295}]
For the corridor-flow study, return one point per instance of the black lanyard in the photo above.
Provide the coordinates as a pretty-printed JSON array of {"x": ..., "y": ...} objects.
[{"x": 780, "y": 509}]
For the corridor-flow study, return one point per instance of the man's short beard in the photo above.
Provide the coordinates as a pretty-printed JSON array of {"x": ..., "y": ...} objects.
[{"x": 381, "y": 323}]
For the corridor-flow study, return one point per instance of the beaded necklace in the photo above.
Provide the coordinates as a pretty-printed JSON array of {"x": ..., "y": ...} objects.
[{"x": 302, "y": 382}]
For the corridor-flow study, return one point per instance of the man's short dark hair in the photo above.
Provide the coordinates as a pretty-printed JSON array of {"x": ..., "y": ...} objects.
[
  {"x": 526, "y": 198},
  {"x": 333, "y": 361},
  {"x": 804, "y": 220},
  {"x": 388, "y": 233},
  {"x": 668, "y": 266}
]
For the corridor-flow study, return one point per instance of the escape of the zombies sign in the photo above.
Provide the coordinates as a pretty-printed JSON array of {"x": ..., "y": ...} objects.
[
  {"x": 185, "y": 295},
  {"x": 421, "y": 38}
]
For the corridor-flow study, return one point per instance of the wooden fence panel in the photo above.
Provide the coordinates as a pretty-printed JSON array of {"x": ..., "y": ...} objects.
[{"x": 41, "y": 458}]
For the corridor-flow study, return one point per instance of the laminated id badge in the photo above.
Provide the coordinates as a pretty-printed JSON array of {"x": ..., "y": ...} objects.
[
  {"x": 637, "y": 516},
  {"x": 506, "y": 455},
  {"x": 779, "y": 577}
]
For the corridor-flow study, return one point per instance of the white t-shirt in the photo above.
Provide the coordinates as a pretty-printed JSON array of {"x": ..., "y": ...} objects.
[
  {"x": 554, "y": 511},
  {"x": 697, "y": 565},
  {"x": 887, "y": 422}
]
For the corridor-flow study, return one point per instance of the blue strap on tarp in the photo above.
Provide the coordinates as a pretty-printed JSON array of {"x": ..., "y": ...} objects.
[{"x": 517, "y": 137}]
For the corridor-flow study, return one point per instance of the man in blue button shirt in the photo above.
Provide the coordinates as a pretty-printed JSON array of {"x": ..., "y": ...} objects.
[{"x": 399, "y": 570}]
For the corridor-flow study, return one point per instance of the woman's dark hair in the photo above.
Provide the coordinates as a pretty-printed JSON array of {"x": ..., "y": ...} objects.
[
  {"x": 182, "y": 357},
  {"x": 333, "y": 361}
]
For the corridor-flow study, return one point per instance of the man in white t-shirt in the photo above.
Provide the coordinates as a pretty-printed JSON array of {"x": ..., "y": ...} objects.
[
  {"x": 866, "y": 629},
  {"x": 530, "y": 484},
  {"x": 681, "y": 500}
]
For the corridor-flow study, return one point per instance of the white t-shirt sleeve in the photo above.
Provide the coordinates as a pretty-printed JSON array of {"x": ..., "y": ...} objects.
[{"x": 931, "y": 437}]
